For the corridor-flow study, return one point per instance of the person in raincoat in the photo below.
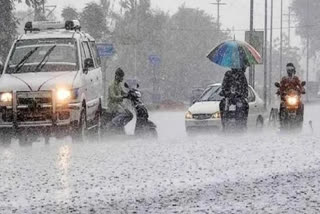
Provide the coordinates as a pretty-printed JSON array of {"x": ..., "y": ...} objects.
[
  {"x": 289, "y": 82},
  {"x": 235, "y": 88},
  {"x": 121, "y": 116}
]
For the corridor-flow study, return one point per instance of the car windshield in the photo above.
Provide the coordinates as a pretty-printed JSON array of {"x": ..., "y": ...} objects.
[
  {"x": 211, "y": 94},
  {"x": 45, "y": 55}
]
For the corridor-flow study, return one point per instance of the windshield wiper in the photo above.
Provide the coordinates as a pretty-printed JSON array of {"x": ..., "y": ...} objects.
[
  {"x": 46, "y": 56},
  {"x": 24, "y": 60}
]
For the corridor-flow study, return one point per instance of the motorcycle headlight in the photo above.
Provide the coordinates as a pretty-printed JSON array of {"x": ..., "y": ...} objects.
[
  {"x": 63, "y": 95},
  {"x": 216, "y": 115},
  {"x": 188, "y": 115},
  {"x": 292, "y": 100},
  {"x": 6, "y": 97}
]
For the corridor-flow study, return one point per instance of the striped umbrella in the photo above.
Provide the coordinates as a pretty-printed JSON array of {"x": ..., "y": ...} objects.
[{"x": 235, "y": 54}]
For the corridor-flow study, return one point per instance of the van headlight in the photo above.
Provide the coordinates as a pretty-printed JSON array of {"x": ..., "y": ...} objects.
[
  {"x": 6, "y": 97},
  {"x": 63, "y": 95},
  {"x": 216, "y": 115},
  {"x": 188, "y": 115}
]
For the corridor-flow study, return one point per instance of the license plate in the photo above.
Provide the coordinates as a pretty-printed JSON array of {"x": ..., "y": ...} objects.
[
  {"x": 232, "y": 108},
  {"x": 293, "y": 114},
  {"x": 201, "y": 123}
]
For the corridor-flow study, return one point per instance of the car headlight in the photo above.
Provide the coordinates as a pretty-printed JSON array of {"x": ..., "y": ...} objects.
[
  {"x": 6, "y": 97},
  {"x": 216, "y": 115},
  {"x": 63, "y": 95},
  {"x": 188, "y": 115}
]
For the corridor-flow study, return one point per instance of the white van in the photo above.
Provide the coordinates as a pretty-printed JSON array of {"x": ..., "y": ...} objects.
[{"x": 51, "y": 84}]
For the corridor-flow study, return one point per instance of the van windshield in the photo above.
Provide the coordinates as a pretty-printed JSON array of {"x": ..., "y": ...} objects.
[{"x": 43, "y": 55}]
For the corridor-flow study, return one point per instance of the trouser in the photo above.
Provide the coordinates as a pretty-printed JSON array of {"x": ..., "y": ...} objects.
[{"x": 121, "y": 119}]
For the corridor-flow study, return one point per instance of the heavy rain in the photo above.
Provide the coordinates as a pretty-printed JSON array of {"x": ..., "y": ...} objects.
[{"x": 149, "y": 106}]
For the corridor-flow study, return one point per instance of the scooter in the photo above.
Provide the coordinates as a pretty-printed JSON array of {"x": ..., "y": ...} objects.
[
  {"x": 143, "y": 128},
  {"x": 291, "y": 109}
]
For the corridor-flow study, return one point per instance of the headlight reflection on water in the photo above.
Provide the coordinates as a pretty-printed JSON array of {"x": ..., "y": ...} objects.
[{"x": 63, "y": 164}]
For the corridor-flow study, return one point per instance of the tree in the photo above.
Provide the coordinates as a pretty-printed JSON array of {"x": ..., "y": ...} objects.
[
  {"x": 307, "y": 13},
  {"x": 30, "y": 3},
  {"x": 106, "y": 6},
  {"x": 93, "y": 20},
  {"x": 8, "y": 26},
  {"x": 69, "y": 13},
  {"x": 190, "y": 36},
  {"x": 181, "y": 41}
]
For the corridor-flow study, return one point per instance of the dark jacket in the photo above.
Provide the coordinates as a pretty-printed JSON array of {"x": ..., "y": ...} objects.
[
  {"x": 289, "y": 83},
  {"x": 235, "y": 80}
]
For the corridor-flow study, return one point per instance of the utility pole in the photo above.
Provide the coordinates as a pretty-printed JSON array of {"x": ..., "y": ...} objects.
[
  {"x": 271, "y": 49},
  {"x": 265, "y": 55},
  {"x": 289, "y": 24},
  {"x": 252, "y": 67},
  {"x": 308, "y": 46},
  {"x": 281, "y": 39},
  {"x": 218, "y": 12},
  {"x": 136, "y": 39}
]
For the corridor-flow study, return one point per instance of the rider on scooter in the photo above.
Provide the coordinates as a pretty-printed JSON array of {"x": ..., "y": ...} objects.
[
  {"x": 121, "y": 116},
  {"x": 235, "y": 88},
  {"x": 290, "y": 82}
]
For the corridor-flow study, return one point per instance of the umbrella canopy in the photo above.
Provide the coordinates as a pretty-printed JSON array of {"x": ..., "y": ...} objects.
[{"x": 235, "y": 54}]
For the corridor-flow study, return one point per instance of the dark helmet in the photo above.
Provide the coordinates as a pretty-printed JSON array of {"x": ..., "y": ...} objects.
[
  {"x": 119, "y": 72},
  {"x": 291, "y": 70}
]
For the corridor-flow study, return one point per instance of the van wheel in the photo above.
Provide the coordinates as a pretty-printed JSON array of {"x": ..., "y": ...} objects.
[
  {"x": 259, "y": 122},
  {"x": 5, "y": 137},
  {"x": 81, "y": 131},
  {"x": 98, "y": 122},
  {"x": 26, "y": 140}
]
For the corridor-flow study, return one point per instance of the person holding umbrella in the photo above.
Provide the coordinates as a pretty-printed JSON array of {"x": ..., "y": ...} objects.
[
  {"x": 235, "y": 92},
  {"x": 238, "y": 56}
]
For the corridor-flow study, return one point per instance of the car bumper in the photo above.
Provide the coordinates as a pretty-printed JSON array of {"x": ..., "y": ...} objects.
[
  {"x": 72, "y": 109},
  {"x": 209, "y": 123}
]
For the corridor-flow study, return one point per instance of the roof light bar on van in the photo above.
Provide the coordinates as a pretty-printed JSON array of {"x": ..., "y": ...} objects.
[
  {"x": 73, "y": 25},
  {"x": 43, "y": 25},
  {"x": 51, "y": 25}
]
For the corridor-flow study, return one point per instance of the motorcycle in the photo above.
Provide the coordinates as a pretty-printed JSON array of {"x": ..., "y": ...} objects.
[
  {"x": 143, "y": 127},
  {"x": 234, "y": 112},
  {"x": 291, "y": 108}
]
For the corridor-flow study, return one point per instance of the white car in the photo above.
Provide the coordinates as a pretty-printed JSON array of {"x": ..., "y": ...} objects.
[
  {"x": 51, "y": 83},
  {"x": 205, "y": 114}
]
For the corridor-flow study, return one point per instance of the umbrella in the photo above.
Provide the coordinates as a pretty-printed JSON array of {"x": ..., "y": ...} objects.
[{"x": 235, "y": 54}]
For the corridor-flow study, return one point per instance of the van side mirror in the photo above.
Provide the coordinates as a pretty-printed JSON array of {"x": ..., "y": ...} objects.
[
  {"x": 138, "y": 86},
  {"x": 126, "y": 85},
  {"x": 277, "y": 84},
  {"x": 303, "y": 83},
  {"x": 88, "y": 63}
]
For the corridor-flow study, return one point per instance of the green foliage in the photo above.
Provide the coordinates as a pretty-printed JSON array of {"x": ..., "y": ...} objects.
[
  {"x": 8, "y": 26},
  {"x": 69, "y": 13},
  {"x": 307, "y": 13},
  {"x": 182, "y": 42},
  {"x": 93, "y": 20},
  {"x": 30, "y": 3}
]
